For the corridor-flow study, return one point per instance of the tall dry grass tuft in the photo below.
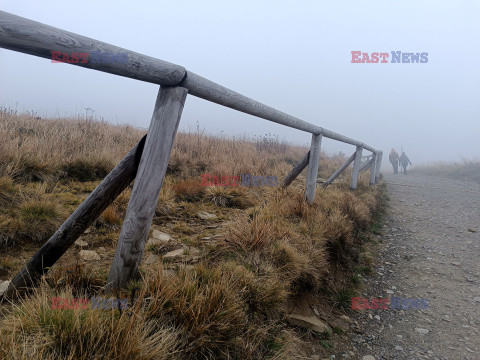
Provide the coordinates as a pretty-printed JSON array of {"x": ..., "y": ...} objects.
[
  {"x": 202, "y": 303},
  {"x": 34, "y": 330},
  {"x": 254, "y": 234}
]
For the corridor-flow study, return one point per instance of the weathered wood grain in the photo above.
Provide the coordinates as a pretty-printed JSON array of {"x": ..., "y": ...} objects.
[
  {"x": 340, "y": 170},
  {"x": 357, "y": 163},
  {"x": 104, "y": 194},
  {"x": 312, "y": 171},
  {"x": 144, "y": 198},
  {"x": 34, "y": 38},
  {"x": 296, "y": 171}
]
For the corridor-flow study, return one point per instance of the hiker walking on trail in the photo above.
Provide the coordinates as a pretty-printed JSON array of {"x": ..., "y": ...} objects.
[
  {"x": 393, "y": 157},
  {"x": 404, "y": 161}
]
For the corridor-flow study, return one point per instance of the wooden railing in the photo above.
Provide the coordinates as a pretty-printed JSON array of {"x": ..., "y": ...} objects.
[{"x": 147, "y": 162}]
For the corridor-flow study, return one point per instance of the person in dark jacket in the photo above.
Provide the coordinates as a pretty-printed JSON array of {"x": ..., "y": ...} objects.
[
  {"x": 393, "y": 157},
  {"x": 404, "y": 161}
]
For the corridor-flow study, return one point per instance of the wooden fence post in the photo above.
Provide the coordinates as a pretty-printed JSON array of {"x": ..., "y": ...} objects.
[
  {"x": 312, "y": 171},
  {"x": 144, "y": 198},
  {"x": 379, "y": 165},
  {"x": 296, "y": 171},
  {"x": 373, "y": 169},
  {"x": 356, "y": 168},
  {"x": 103, "y": 195}
]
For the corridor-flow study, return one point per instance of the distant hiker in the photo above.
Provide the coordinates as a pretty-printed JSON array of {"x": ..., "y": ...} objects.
[
  {"x": 394, "y": 160},
  {"x": 404, "y": 161}
]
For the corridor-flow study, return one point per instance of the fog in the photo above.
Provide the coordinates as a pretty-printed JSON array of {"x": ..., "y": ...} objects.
[{"x": 294, "y": 56}]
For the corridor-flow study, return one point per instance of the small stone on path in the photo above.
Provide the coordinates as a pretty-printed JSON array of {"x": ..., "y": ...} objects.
[
  {"x": 88, "y": 255},
  {"x": 151, "y": 259},
  {"x": 175, "y": 254},
  {"x": 160, "y": 235},
  {"x": 206, "y": 216},
  {"x": 422, "y": 331},
  {"x": 81, "y": 243},
  {"x": 4, "y": 286},
  {"x": 311, "y": 323},
  {"x": 158, "y": 238}
]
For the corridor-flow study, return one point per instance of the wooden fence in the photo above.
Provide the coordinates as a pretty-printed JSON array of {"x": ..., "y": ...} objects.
[{"x": 147, "y": 161}]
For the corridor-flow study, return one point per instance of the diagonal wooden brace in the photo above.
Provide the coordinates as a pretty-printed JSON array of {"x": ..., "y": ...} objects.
[
  {"x": 103, "y": 195},
  {"x": 296, "y": 171}
]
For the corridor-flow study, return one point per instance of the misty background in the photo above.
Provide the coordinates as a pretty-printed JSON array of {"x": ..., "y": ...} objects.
[{"x": 293, "y": 56}]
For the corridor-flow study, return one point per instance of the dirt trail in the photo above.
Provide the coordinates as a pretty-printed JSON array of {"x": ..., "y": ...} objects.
[{"x": 429, "y": 253}]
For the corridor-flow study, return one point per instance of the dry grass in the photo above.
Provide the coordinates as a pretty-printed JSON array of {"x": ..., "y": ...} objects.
[
  {"x": 189, "y": 190},
  {"x": 33, "y": 217},
  {"x": 36, "y": 150},
  {"x": 33, "y": 330},
  {"x": 196, "y": 153},
  {"x": 271, "y": 247},
  {"x": 203, "y": 304},
  {"x": 7, "y": 191},
  {"x": 253, "y": 234},
  {"x": 78, "y": 278},
  {"x": 230, "y": 197}
]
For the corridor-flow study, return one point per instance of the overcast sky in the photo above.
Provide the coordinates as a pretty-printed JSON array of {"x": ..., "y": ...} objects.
[{"x": 292, "y": 55}]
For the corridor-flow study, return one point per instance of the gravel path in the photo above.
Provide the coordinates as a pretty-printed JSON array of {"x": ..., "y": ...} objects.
[{"x": 429, "y": 253}]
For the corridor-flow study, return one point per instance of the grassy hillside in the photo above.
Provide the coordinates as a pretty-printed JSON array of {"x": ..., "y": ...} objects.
[{"x": 236, "y": 276}]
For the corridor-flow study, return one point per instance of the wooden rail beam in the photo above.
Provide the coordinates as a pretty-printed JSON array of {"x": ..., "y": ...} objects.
[
  {"x": 340, "y": 170},
  {"x": 103, "y": 195},
  {"x": 356, "y": 168},
  {"x": 144, "y": 198},
  {"x": 34, "y": 38},
  {"x": 312, "y": 171},
  {"x": 296, "y": 171}
]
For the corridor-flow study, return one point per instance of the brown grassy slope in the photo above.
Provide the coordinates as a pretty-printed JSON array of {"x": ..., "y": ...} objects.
[
  {"x": 465, "y": 170},
  {"x": 266, "y": 250},
  {"x": 47, "y": 149}
]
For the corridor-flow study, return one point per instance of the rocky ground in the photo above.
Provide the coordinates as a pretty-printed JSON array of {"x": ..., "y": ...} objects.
[{"x": 430, "y": 250}]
